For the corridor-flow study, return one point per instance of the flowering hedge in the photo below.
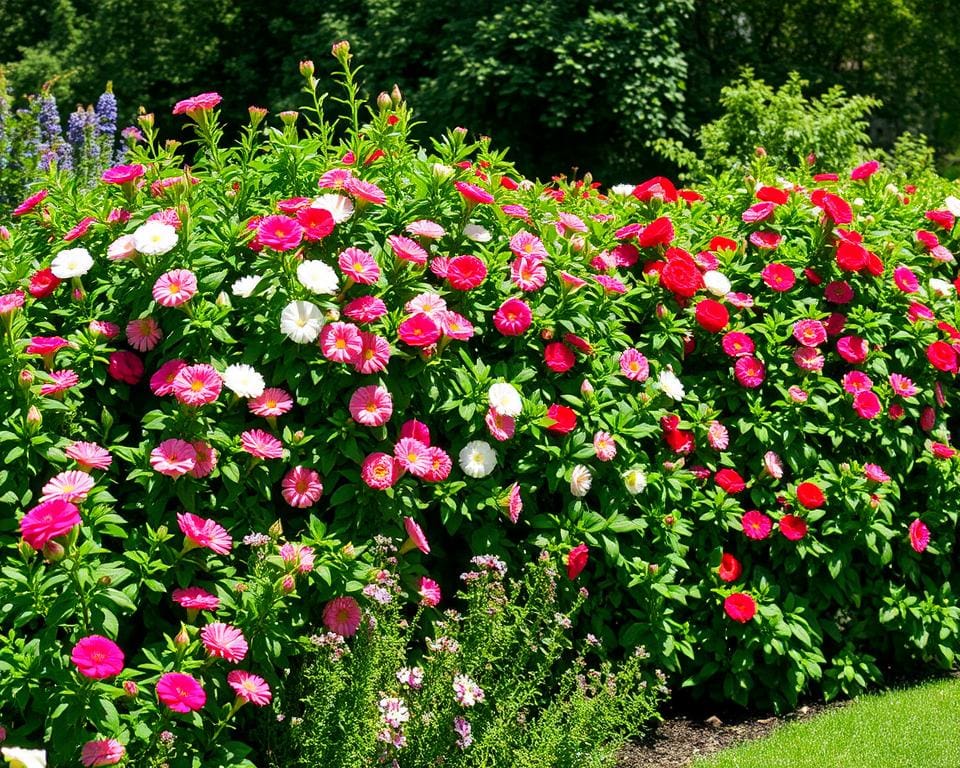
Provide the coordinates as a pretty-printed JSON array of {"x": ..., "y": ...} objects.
[{"x": 729, "y": 410}]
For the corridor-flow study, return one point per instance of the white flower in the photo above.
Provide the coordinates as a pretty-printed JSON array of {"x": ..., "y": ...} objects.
[
  {"x": 123, "y": 247},
  {"x": 476, "y": 233},
  {"x": 953, "y": 205},
  {"x": 339, "y": 206},
  {"x": 858, "y": 202},
  {"x": 505, "y": 400},
  {"x": 245, "y": 286},
  {"x": 635, "y": 480},
  {"x": 243, "y": 380},
  {"x": 623, "y": 190},
  {"x": 317, "y": 277},
  {"x": 24, "y": 758},
  {"x": 73, "y": 262},
  {"x": 154, "y": 238},
  {"x": 671, "y": 385},
  {"x": 940, "y": 287},
  {"x": 892, "y": 189},
  {"x": 442, "y": 172},
  {"x": 716, "y": 282},
  {"x": 580, "y": 481},
  {"x": 301, "y": 321},
  {"x": 477, "y": 459}
]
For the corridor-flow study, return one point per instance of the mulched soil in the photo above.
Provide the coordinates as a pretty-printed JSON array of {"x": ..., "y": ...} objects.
[{"x": 678, "y": 741}]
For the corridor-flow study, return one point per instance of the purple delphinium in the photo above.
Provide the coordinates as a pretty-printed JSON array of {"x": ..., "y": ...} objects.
[
  {"x": 52, "y": 146},
  {"x": 75, "y": 125},
  {"x": 107, "y": 112}
]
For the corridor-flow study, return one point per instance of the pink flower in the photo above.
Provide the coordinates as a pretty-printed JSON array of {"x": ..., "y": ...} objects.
[
  {"x": 364, "y": 190},
  {"x": 196, "y": 599},
  {"x": 867, "y": 405},
  {"x": 30, "y": 203},
  {"x": 261, "y": 444},
  {"x": 203, "y": 532},
  {"x": 379, "y": 471},
  {"x": 717, "y": 436},
  {"x": 175, "y": 287},
  {"x": 773, "y": 465},
  {"x": 48, "y": 520},
  {"x": 415, "y": 537},
  {"x": 429, "y": 592},
  {"x": 417, "y": 430},
  {"x": 919, "y": 535},
  {"x": 181, "y": 692},
  {"x": 224, "y": 641},
  {"x": 61, "y": 381},
  {"x": 856, "y": 381},
  {"x": 523, "y": 244},
  {"x": 122, "y": 174},
  {"x": 440, "y": 465},
  {"x": 173, "y": 457},
  {"x": 418, "y": 331},
  {"x": 779, "y": 277},
  {"x": 905, "y": 280},
  {"x": 89, "y": 456},
  {"x": 501, "y": 427},
  {"x": 251, "y": 689},
  {"x": 838, "y": 292},
  {"x": 47, "y": 347},
  {"x": 749, "y": 372},
  {"x": 10, "y": 302},
  {"x": 195, "y": 104},
  {"x": 317, "y": 223},
  {"x": 852, "y": 349},
  {"x": 792, "y": 527},
  {"x": 374, "y": 353},
  {"x": 875, "y": 472},
  {"x": 902, "y": 386},
  {"x": 371, "y": 406},
  {"x": 810, "y": 333},
  {"x": 340, "y": 342},
  {"x": 513, "y": 317},
  {"x": 301, "y": 487},
  {"x": 365, "y": 309},
  {"x": 809, "y": 359},
  {"x": 359, "y": 266},
  {"x": 335, "y": 178},
  {"x": 558, "y": 357},
  {"x": 797, "y": 394},
  {"x": 464, "y": 273},
  {"x": 73, "y": 485},
  {"x": 604, "y": 446},
  {"x": 942, "y": 451},
  {"x": 273, "y": 402},
  {"x": 765, "y": 241},
  {"x": 412, "y": 456},
  {"x": 756, "y": 525},
  {"x": 300, "y": 557},
  {"x": 161, "y": 383},
  {"x": 430, "y": 304},
  {"x": 528, "y": 273},
  {"x": 97, "y": 657},
  {"x": 634, "y": 365},
  {"x": 473, "y": 194},
  {"x": 514, "y": 503},
  {"x": 143, "y": 334},
  {"x": 102, "y": 752},
  {"x": 406, "y": 249},
  {"x": 206, "y": 460},
  {"x": 456, "y": 326},
  {"x": 427, "y": 229},
  {"x": 281, "y": 233},
  {"x": 342, "y": 615},
  {"x": 125, "y": 366},
  {"x": 197, "y": 385}
]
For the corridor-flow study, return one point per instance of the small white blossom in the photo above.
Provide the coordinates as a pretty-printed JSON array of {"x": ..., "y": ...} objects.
[
  {"x": 24, "y": 758},
  {"x": 477, "y": 459},
  {"x": 953, "y": 205},
  {"x": 339, "y": 206},
  {"x": 245, "y": 286},
  {"x": 716, "y": 282},
  {"x": 505, "y": 400},
  {"x": 73, "y": 262},
  {"x": 635, "y": 480},
  {"x": 301, "y": 321},
  {"x": 622, "y": 190},
  {"x": 477, "y": 233},
  {"x": 155, "y": 238},
  {"x": 670, "y": 384},
  {"x": 940, "y": 287},
  {"x": 580, "y": 481},
  {"x": 318, "y": 277},
  {"x": 243, "y": 380}
]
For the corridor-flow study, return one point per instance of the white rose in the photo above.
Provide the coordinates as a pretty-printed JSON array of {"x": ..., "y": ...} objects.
[
  {"x": 477, "y": 459},
  {"x": 317, "y": 277},
  {"x": 580, "y": 481},
  {"x": 505, "y": 400},
  {"x": 716, "y": 282},
  {"x": 243, "y": 380},
  {"x": 301, "y": 321},
  {"x": 154, "y": 238},
  {"x": 73, "y": 262}
]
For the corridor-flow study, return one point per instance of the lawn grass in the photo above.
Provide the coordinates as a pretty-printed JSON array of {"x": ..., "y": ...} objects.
[{"x": 914, "y": 728}]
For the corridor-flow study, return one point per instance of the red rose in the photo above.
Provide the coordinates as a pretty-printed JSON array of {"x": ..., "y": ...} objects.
[
  {"x": 681, "y": 276},
  {"x": 564, "y": 419},
  {"x": 657, "y": 232},
  {"x": 712, "y": 316},
  {"x": 125, "y": 366},
  {"x": 810, "y": 496},
  {"x": 792, "y": 527},
  {"x": 577, "y": 560},
  {"x": 942, "y": 356},
  {"x": 730, "y": 481},
  {"x": 558, "y": 357},
  {"x": 740, "y": 607},
  {"x": 730, "y": 568},
  {"x": 43, "y": 283},
  {"x": 851, "y": 257}
]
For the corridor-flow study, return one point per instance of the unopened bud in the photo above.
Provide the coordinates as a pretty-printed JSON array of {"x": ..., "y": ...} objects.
[
  {"x": 240, "y": 587},
  {"x": 811, "y": 159},
  {"x": 586, "y": 388},
  {"x": 384, "y": 101},
  {"x": 105, "y": 581},
  {"x": 289, "y": 117},
  {"x": 288, "y": 584},
  {"x": 182, "y": 639},
  {"x": 53, "y": 551},
  {"x": 669, "y": 520},
  {"x": 760, "y": 152},
  {"x": 256, "y": 115},
  {"x": 442, "y": 172},
  {"x": 546, "y": 334},
  {"x": 332, "y": 315},
  {"x": 654, "y": 569},
  {"x": 348, "y": 551},
  {"x": 223, "y": 299},
  {"x": 145, "y": 120},
  {"x": 460, "y": 131},
  {"x": 34, "y": 419},
  {"x": 341, "y": 51},
  {"x": 395, "y": 95},
  {"x": 130, "y": 688},
  {"x": 306, "y": 68},
  {"x": 26, "y": 378},
  {"x": 276, "y": 530}
]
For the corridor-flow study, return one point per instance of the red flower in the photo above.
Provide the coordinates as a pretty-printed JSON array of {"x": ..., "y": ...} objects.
[
  {"x": 851, "y": 257},
  {"x": 723, "y": 244},
  {"x": 730, "y": 481},
  {"x": 919, "y": 535},
  {"x": 835, "y": 207},
  {"x": 942, "y": 356},
  {"x": 865, "y": 171},
  {"x": 577, "y": 560},
  {"x": 792, "y": 527},
  {"x": 465, "y": 272},
  {"x": 810, "y": 496},
  {"x": 657, "y": 188},
  {"x": 780, "y": 277},
  {"x": 943, "y": 218},
  {"x": 773, "y": 195},
  {"x": 658, "y": 232},
  {"x": 740, "y": 607},
  {"x": 564, "y": 419},
  {"x": 42, "y": 283},
  {"x": 730, "y": 568},
  {"x": 125, "y": 366},
  {"x": 680, "y": 275},
  {"x": 558, "y": 357},
  {"x": 712, "y": 316}
]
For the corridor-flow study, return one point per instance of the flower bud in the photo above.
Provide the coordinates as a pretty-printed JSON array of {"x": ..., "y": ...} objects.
[
  {"x": 53, "y": 551},
  {"x": 289, "y": 117},
  {"x": 460, "y": 131},
  {"x": 256, "y": 115},
  {"x": 223, "y": 299},
  {"x": 240, "y": 587},
  {"x": 442, "y": 172},
  {"x": 130, "y": 688},
  {"x": 348, "y": 551},
  {"x": 811, "y": 159},
  {"x": 586, "y": 388},
  {"x": 34, "y": 419},
  {"x": 760, "y": 152},
  {"x": 332, "y": 315},
  {"x": 288, "y": 584},
  {"x": 341, "y": 51},
  {"x": 669, "y": 520},
  {"x": 26, "y": 378},
  {"x": 105, "y": 581},
  {"x": 145, "y": 120},
  {"x": 653, "y": 568},
  {"x": 4, "y": 233},
  {"x": 298, "y": 436},
  {"x": 384, "y": 101},
  {"x": 306, "y": 68},
  {"x": 276, "y": 530},
  {"x": 395, "y": 96}
]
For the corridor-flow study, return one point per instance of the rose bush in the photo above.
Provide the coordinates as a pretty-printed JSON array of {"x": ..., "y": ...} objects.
[{"x": 734, "y": 423}]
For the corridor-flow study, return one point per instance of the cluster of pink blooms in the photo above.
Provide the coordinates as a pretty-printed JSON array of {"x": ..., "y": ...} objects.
[{"x": 412, "y": 453}]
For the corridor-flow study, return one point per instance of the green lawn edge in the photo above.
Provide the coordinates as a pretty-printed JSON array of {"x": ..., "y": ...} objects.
[{"x": 907, "y": 728}]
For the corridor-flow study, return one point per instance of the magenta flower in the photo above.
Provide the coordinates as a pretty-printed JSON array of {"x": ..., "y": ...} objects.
[
  {"x": 371, "y": 406},
  {"x": 251, "y": 689},
  {"x": 97, "y": 657},
  {"x": 429, "y": 592},
  {"x": 379, "y": 471},
  {"x": 364, "y": 190},
  {"x": 122, "y": 174},
  {"x": 342, "y": 615},
  {"x": 406, "y": 249},
  {"x": 810, "y": 333},
  {"x": 173, "y": 457},
  {"x": 440, "y": 465},
  {"x": 261, "y": 444},
  {"x": 359, "y": 266},
  {"x": 374, "y": 353},
  {"x": 749, "y": 372},
  {"x": 415, "y": 537},
  {"x": 175, "y": 287},
  {"x": 102, "y": 752},
  {"x": 206, "y": 459},
  {"x": 340, "y": 342},
  {"x": 634, "y": 365},
  {"x": 281, "y": 233},
  {"x": 412, "y": 456},
  {"x": 919, "y": 535},
  {"x": 273, "y": 402},
  {"x": 197, "y": 385},
  {"x": 48, "y": 520},
  {"x": 513, "y": 317},
  {"x": 60, "y": 381},
  {"x": 756, "y": 525},
  {"x": 301, "y": 487},
  {"x": 161, "y": 383},
  {"x": 196, "y": 599},
  {"x": 224, "y": 641},
  {"x": 365, "y": 309},
  {"x": 418, "y": 331},
  {"x": 181, "y": 692},
  {"x": 473, "y": 194},
  {"x": 202, "y": 532},
  {"x": 143, "y": 334}
]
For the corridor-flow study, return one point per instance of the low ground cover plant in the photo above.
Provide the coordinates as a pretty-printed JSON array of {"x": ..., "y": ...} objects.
[{"x": 728, "y": 411}]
